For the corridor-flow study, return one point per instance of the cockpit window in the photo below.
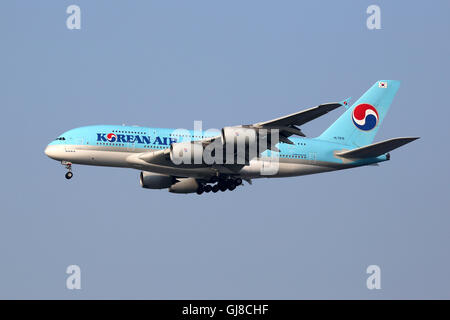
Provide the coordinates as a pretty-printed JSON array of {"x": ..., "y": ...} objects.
[{"x": 61, "y": 138}]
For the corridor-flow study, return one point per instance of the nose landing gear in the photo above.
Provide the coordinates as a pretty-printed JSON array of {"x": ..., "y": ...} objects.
[{"x": 68, "y": 166}]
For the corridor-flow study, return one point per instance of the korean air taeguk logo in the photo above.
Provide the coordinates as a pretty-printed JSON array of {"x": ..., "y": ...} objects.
[
  {"x": 111, "y": 137},
  {"x": 365, "y": 117}
]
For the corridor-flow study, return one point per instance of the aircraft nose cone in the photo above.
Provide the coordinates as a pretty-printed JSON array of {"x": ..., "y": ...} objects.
[{"x": 52, "y": 152}]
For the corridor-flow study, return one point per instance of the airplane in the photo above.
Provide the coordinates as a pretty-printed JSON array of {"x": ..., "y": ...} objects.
[{"x": 347, "y": 143}]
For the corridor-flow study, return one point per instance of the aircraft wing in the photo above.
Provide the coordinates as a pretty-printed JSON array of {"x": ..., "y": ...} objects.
[
  {"x": 301, "y": 117},
  {"x": 286, "y": 126}
]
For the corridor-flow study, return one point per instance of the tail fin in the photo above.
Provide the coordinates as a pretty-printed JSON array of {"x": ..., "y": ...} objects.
[{"x": 359, "y": 124}]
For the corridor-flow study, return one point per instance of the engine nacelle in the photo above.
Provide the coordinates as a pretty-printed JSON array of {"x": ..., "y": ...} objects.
[
  {"x": 243, "y": 142},
  {"x": 151, "y": 180},
  {"x": 186, "y": 152},
  {"x": 185, "y": 185},
  {"x": 239, "y": 135}
]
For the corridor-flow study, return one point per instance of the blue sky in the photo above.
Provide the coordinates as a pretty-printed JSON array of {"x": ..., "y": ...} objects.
[{"x": 166, "y": 64}]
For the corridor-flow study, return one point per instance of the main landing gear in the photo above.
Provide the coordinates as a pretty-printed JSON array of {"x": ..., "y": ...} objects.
[
  {"x": 221, "y": 184},
  {"x": 68, "y": 166}
]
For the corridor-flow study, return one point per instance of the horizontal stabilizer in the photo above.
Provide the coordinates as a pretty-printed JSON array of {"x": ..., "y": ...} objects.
[{"x": 376, "y": 149}]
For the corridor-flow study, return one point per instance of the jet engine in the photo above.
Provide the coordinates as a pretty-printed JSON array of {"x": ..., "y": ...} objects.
[
  {"x": 184, "y": 185},
  {"x": 239, "y": 135},
  {"x": 151, "y": 180},
  {"x": 241, "y": 143}
]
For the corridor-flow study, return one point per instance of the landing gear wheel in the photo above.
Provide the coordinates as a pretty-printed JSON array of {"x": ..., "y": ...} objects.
[
  {"x": 215, "y": 188},
  {"x": 69, "y": 175},
  {"x": 223, "y": 187},
  {"x": 238, "y": 181},
  {"x": 200, "y": 189},
  {"x": 208, "y": 188},
  {"x": 231, "y": 185}
]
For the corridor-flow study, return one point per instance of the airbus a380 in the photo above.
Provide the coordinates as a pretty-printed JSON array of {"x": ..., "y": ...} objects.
[{"x": 347, "y": 143}]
